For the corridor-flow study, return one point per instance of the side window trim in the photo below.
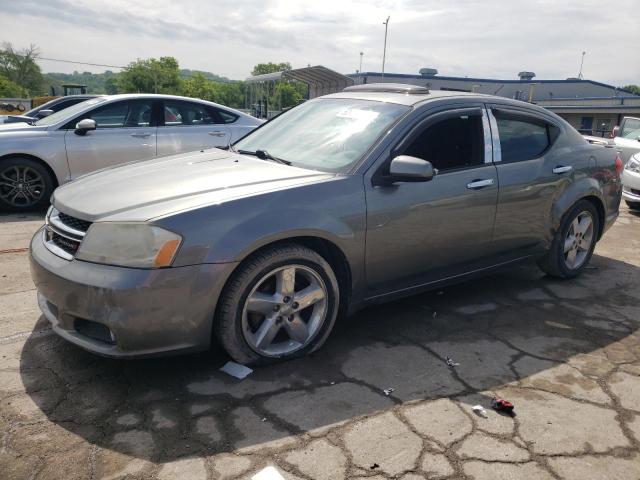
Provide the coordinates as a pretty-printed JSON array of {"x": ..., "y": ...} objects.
[{"x": 495, "y": 136}]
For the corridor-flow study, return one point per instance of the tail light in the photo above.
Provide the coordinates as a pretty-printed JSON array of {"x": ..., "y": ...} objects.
[{"x": 619, "y": 165}]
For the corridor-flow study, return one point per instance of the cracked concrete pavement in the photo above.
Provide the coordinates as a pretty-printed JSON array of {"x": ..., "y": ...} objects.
[{"x": 566, "y": 353}]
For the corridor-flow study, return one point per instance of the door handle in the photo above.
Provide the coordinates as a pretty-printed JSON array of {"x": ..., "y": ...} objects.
[
  {"x": 478, "y": 184},
  {"x": 562, "y": 169},
  {"x": 217, "y": 133},
  {"x": 140, "y": 135}
]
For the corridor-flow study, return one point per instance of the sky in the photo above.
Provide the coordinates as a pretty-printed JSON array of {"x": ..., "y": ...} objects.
[{"x": 486, "y": 39}]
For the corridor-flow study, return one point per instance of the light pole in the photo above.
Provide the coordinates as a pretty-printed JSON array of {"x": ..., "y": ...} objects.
[
  {"x": 581, "y": 63},
  {"x": 361, "y": 54},
  {"x": 384, "y": 51}
]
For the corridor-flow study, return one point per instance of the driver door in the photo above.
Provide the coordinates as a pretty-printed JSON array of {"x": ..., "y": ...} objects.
[
  {"x": 125, "y": 132},
  {"x": 421, "y": 232}
]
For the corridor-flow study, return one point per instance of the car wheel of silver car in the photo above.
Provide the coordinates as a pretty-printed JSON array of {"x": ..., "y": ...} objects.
[
  {"x": 281, "y": 303},
  {"x": 24, "y": 185},
  {"x": 574, "y": 242}
]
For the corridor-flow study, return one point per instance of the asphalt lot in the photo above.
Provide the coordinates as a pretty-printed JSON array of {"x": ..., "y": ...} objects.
[{"x": 567, "y": 354}]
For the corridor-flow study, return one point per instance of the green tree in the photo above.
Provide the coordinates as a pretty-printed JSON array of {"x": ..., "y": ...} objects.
[
  {"x": 635, "y": 89},
  {"x": 11, "y": 89},
  {"x": 20, "y": 67},
  {"x": 151, "y": 76},
  {"x": 286, "y": 95},
  {"x": 198, "y": 86},
  {"x": 262, "y": 68},
  {"x": 111, "y": 85}
]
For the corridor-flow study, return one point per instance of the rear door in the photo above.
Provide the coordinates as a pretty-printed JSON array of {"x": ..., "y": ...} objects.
[
  {"x": 425, "y": 231},
  {"x": 125, "y": 132},
  {"x": 189, "y": 126},
  {"x": 530, "y": 173}
]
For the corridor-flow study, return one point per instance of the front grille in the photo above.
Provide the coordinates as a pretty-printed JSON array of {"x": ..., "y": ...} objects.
[
  {"x": 74, "y": 222},
  {"x": 64, "y": 233},
  {"x": 64, "y": 243}
]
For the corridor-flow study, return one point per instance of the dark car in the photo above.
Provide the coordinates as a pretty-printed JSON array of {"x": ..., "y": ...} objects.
[
  {"x": 46, "y": 109},
  {"x": 346, "y": 200}
]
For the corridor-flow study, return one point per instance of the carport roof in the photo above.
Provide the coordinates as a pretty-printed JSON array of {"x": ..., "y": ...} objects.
[{"x": 316, "y": 75}]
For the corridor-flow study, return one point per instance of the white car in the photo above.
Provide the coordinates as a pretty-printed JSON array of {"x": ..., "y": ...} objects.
[
  {"x": 627, "y": 137},
  {"x": 106, "y": 131},
  {"x": 631, "y": 182}
]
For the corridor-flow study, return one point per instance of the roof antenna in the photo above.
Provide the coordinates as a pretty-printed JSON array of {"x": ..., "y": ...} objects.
[{"x": 581, "y": 63}]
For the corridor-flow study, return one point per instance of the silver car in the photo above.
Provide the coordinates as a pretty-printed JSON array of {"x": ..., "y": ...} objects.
[
  {"x": 631, "y": 182},
  {"x": 103, "y": 132},
  {"x": 627, "y": 137},
  {"x": 344, "y": 201}
]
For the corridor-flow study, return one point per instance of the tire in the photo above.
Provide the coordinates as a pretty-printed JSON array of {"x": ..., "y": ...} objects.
[
  {"x": 25, "y": 185},
  {"x": 633, "y": 205},
  {"x": 258, "y": 299},
  {"x": 557, "y": 262}
]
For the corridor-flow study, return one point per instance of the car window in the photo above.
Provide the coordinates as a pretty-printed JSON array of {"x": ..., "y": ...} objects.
[
  {"x": 451, "y": 144},
  {"x": 523, "y": 138},
  {"x": 124, "y": 114},
  {"x": 631, "y": 128},
  {"x": 66, "y": 104},
  {"x": 69, "y": 113},
  {"x": 326, "y": 134},
  {"x": 178, "y": 113},
  {"x": 227, "y": 117}
]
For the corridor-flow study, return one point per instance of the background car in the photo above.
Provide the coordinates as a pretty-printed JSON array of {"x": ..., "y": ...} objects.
[
  {"x": 631, "y": 182},
  {"x": 346, "y": 200},
  {"x": 45, "y": 109},
  {"x": 103, "y": 132},
  {"x": 626, "y": 137}
]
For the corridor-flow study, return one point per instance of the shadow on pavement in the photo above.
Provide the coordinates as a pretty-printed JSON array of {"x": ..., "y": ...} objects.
[{"x": 503, "y": 328}]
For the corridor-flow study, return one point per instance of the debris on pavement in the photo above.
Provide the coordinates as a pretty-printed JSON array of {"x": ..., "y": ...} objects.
[
  {"x": 236, "y": 370},
  {"x": 434, "y": 314},
  {"x": 268, "y": 473},
  {"x": 480, "y": 411},
  {"x": 388, "y": 391},
  {"x": 451, "y": 363},
  {"x": 501, "y": 405},
  {"x": 374, "y": 466}
]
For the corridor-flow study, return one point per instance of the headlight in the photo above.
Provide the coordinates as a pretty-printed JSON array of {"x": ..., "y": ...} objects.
[
  {"x": 129, "y": 245},
  {"x": 633, "y": 164}
]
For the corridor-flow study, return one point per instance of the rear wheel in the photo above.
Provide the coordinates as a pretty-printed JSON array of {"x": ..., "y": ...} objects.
[
  {"x": 24, "y": 185},
  {"x": 633, "y": 205},
  {"x": 574, "y": 242},
  {"x": 282, "y": 303}
]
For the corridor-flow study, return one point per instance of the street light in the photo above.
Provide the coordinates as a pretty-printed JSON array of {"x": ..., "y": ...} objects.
[
  {"x": 361, "y": 54},
  {"x": 384, "y": 51},
  {"x": 581, "y": 63}
]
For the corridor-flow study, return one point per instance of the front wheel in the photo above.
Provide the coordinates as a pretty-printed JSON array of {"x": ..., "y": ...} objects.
[
  {"x": 282, "y": 303},
  {"x": 25, "y": 185},
  {"x": 574, "y": 242}
]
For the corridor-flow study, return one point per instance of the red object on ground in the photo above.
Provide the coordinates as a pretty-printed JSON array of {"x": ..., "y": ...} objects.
[{"x": 501, "y": 405}]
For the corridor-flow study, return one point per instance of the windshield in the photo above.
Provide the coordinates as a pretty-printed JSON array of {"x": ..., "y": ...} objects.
[
  {"x": 69, "y": 112},
  {"x": 631, "y": 128},
  {"x": 328, "y": 134}
]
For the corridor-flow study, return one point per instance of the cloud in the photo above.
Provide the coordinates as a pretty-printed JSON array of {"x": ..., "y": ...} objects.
[{"x": 492, "y": 38}]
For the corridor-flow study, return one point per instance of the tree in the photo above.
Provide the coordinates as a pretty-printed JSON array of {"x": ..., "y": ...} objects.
[
  {"x": 635, "y": 89},
  {"x": 151, "y": 76},
  {"x": 20, "y": 67},
  {"x": 286, "y": 95},
  {"x": 11, "y": 89},
  {"x": 111, "y": 85},
  {"x": 262, "y": 68},
  {"x": 198, "y": 86}
]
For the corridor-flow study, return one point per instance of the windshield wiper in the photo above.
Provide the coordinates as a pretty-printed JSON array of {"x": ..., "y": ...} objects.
[{"x": 264, "y": 155}]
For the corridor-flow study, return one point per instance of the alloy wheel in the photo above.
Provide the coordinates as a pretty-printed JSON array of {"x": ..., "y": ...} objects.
[
  {"x": 578, "y": 240},
  {"x": 284, "y": 311},
  {"x": 21, "y": 186}
]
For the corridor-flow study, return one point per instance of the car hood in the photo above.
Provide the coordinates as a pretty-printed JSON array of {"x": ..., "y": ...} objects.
[
  {"x": 144, "y": 190},
  {"x": 8, "y": 128}
]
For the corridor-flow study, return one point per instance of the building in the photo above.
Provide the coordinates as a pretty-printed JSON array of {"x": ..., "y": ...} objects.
[{"x": 592, "y": 107}]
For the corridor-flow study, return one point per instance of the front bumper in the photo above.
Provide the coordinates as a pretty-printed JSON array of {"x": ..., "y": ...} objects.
[
  {"x": 146, "y": 312},
  {"x": 630, "y": 186}
]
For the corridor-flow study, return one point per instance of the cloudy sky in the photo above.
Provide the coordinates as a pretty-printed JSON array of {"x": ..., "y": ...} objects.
[{"x": 490, "y": 38}]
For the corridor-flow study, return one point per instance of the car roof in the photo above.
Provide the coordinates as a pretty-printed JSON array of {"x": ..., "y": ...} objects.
[
  {"x": 121, "y": 96},
  {"x": 403, "y": 98}
]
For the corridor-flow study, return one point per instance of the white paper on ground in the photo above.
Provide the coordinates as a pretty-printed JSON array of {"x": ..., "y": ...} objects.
[
  {"x": 269, "y": 473},
  {"x": 236, "y": 370}
]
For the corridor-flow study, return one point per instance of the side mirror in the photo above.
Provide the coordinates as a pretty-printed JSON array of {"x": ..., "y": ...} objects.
[
  {"x": 83, "y": 126},
  {"x": 410, "y": 169},
  {"x": 44, "y": 113}
]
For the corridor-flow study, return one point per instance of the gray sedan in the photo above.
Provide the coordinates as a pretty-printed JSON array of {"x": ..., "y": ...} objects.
[
  {"x": 346, "y": 200},
  {"x": 103, "y": 132}
]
